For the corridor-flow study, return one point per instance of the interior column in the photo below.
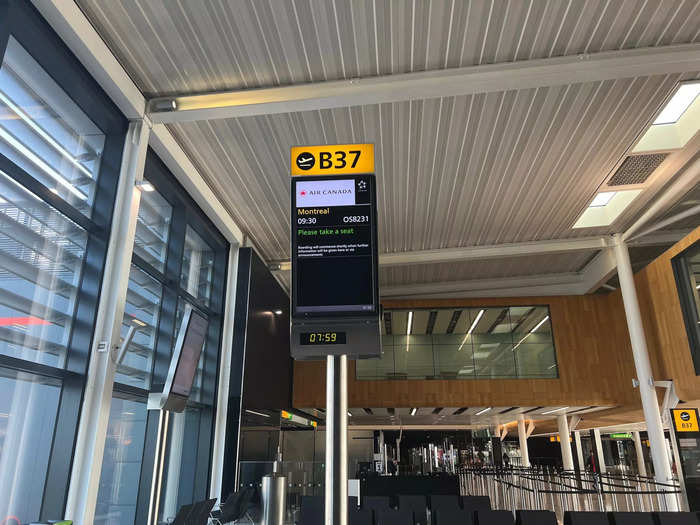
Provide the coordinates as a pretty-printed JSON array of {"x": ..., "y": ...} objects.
[
  {"x": 522, "y": 437},
  {"x": 647, "y": 390},
  {"x": 566, "y": 457}
]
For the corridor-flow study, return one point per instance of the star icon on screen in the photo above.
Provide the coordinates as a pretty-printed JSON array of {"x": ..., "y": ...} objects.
[{"x": 362, "y": 185}]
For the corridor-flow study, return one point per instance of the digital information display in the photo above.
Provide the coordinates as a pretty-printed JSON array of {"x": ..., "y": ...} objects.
[
  {"x": 322, "y": 338},
  {"x": 335, "y": 296},
  {"x": 333, "y": 235}
]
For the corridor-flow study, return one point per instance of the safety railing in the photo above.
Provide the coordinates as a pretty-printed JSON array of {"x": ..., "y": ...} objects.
[{"x": 547, "y": 489}]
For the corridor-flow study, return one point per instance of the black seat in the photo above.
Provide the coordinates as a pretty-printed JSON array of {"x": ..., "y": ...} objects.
[
  {"x": 438, "y": 502},
  {"x": 393, "y": 517},
  {"x": 376, "y": 503},
  {"x": 585, "y": 518},
  {"x": 494, "y": 517},
  {"x": 535, "y": 517},
  {"x": 418, "y": 504},
  {"x": 631, "y": 518},
  {"x": 311, "y": 512},
  {"x": 676, "y": 518},
  {"x": 357, "y": 515},
  {"x": 453, "y": 517},
  {"x": 474, "y": 503}
]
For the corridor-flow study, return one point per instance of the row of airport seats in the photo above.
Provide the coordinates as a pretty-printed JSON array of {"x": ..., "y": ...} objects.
[
  {"x": 403, "y": 509},
  {"x": 449, "y": 510}
]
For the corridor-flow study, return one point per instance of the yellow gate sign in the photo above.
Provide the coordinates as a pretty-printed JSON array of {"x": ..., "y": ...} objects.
[
  {"x": 334, "y": 159},
  {"x": 685, "y": 419}
]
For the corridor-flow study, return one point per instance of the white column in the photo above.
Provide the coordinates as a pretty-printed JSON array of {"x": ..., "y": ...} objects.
[
  {"x": 522, "y": 437},
  {"x": 92, "y": 430},
  {"x": 641, "y": 466},
  {"x": 579, "y": 451},
  {"x": 599, "y": 451},
  {"x": 647, "y": 390},
  {"x": 566, "y": 457},
  {"x": 217, "y": 468}
]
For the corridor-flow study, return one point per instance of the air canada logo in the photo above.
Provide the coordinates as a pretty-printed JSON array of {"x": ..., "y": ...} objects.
[{"x": 305, "y": 161}]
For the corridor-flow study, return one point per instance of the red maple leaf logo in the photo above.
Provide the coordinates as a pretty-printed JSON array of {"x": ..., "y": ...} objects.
[{"x": 302, "y": 193}]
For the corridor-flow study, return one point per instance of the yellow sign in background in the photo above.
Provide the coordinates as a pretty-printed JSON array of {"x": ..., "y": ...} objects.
[
  {"x": 333, "y": 159},
  {"x": 685, "y": 419}
]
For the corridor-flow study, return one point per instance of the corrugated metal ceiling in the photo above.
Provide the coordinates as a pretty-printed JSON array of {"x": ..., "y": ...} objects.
[
  {"x": 457, "y": 171},
  {"x": 172, "y": 46}
]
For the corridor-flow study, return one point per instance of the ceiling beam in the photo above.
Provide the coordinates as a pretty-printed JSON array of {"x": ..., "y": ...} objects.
[
  {"x": 469, "y": 80},
  {"x": 498, "y": 251},
  {"x": 526, "y": 286}
]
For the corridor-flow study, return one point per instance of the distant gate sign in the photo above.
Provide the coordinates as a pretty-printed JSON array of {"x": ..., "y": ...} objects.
[
  {"x": 337, "y": 159},
  {"x": 685, "y": 419}
]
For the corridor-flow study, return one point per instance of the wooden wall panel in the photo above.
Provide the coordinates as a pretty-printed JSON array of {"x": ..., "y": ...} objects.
[
  {"x": 592, "y": 346},
  {"x": 664, "y": 328}
]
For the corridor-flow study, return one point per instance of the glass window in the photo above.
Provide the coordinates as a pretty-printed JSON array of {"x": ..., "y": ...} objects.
[
  {"x": 152, "y": 227},
  {"x": 45, "y": 133},
  {"x": 141, "y": 311},
  {"x": 686, "y": 267},
  {"x": 466, "y": 343},
  {"x": 41, "y": 256},
  {"x": 28, "y": 407},
  {"x": 121, "y": 464},
  {"x": 197, "y": 266}
]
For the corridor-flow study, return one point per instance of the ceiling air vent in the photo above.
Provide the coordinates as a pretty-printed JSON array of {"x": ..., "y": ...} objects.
[{"x": 636, "y": 169}]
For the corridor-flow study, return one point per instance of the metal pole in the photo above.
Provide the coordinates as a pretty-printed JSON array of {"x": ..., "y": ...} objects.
[
  {"x": 641, "y": 466},
  {"x": 566, "y": 456},
  {"x": 647, "y": 390},
  {"x": 579, "y": 451},
  {"x": 336, "y": 440},
  {"x": 522, "y": 437},
  {"x": 599, "y": 451}
]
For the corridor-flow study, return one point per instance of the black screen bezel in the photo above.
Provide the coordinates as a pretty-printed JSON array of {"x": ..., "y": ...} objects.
[{"x": 373, "y": 247}]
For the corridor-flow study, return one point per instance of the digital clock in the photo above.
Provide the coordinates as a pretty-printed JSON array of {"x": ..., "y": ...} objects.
[{"x": 322, "y": 338}]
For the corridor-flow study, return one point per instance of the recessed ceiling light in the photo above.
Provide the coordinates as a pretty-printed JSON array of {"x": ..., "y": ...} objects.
[
  {"x": 257, "y": 413},
  {"x": 483, "y": 411},
  {"x": 278, "y": 312},
  {"x": 146, "y": 186},
  {"x": 409, "y": 324},
  {"x": 680, "y": 101},
  {"x": 602, "y": 199},
  {"x": 413, "y": 411}
]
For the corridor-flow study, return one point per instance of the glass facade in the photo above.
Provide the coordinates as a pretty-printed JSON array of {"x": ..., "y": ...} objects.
[
  {"x": 464, "y": 343},
  {"x": 168, "y": 245},
  {"x": 61, "y": 145},
  {"x": 61, "y": 141}
]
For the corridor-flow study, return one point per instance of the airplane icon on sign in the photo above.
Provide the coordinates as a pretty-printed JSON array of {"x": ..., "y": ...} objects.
[{"x": 305, "y": 161}]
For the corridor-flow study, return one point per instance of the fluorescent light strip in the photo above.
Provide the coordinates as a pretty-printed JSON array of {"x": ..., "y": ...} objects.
[
  {"x": 349, "y": 414},
  {"x": 532, "y": 331},
  {"x": 29, "y": 154},
  {"x": 409, "y": 324},
  {"x": 553, "y": 411},
  {"x": 48, "y": 138},
  {"x": 483, "y": 411},
  {"x": 471, "y": 329},
  {"x": 413, "y": 411},
  {"x": 257, "y": 413}
]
